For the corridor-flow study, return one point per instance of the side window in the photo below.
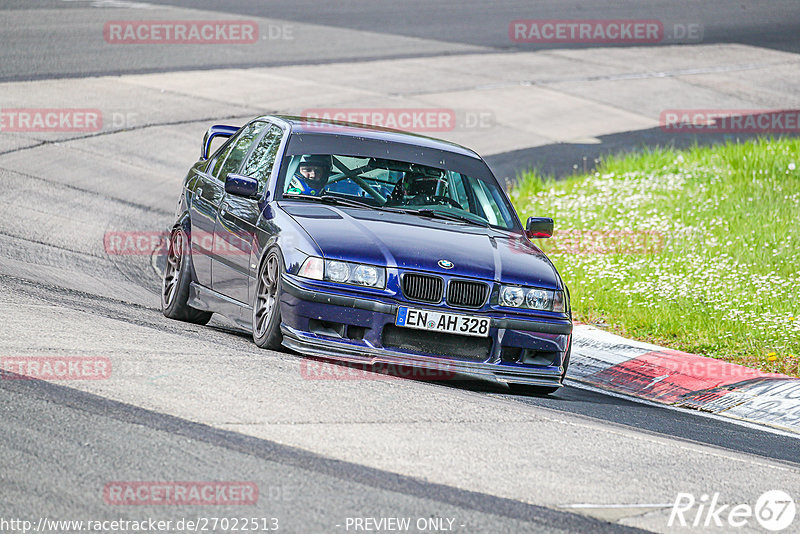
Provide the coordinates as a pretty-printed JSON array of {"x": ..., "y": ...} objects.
[
  {"x": 237, "y": 150},
  {"x": 259, "y": 164}
]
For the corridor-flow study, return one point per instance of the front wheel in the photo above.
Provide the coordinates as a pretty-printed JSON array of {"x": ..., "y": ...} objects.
[
  {"x": 175, "y": 284},
  {"x": 536, "y": 391},
  {"x": 267, "y": 304}
]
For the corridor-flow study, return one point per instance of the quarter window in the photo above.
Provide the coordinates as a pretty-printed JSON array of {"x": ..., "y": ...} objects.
[{"x": 221, "y": 159}]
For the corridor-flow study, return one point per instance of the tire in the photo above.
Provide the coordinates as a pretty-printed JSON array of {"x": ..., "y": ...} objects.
[
  {"x": 525, "y": 389},
  {"x": 175, "y": 283},
  {"x": 266, "y": 304},
  {"x": 536, "y": 391}
]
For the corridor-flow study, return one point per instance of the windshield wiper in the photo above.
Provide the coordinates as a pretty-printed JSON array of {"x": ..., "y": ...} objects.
[
  {"x": 425, "y": 212},
  {"x": 333, "y": 199},
  {"x": 436, "y": 214}
]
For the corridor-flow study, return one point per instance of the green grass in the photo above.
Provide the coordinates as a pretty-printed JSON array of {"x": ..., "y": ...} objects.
[{"x": 697, "y": 250}]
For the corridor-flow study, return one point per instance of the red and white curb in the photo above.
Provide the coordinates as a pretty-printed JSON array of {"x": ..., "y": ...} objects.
[{"x": 676, "y": 378}]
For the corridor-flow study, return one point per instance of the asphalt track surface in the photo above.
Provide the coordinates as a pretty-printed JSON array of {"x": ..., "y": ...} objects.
[
  {"x": 56, "y": 432},
  {"x": 202, "y": 403},
  {"x": 360, "y": 30}
]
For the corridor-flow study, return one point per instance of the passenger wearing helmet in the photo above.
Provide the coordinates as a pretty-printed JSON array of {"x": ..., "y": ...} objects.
[{"x": 311, "y": 176}]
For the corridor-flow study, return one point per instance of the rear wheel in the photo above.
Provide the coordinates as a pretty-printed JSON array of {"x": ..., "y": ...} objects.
[
  {"x": 175, "y": 284},
  {"x": 266, "y": 306}
]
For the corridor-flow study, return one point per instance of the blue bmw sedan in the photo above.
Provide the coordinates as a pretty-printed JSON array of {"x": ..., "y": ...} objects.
[{"x": 367, "y": 245}]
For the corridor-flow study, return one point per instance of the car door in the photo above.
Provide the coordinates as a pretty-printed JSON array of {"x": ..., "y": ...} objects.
[
  {"x": 237, "y": 218},
  {"x": 206, "y": 197}
]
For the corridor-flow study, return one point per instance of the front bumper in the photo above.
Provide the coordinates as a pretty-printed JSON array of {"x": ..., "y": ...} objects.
[{"x": 302, "y": 304}]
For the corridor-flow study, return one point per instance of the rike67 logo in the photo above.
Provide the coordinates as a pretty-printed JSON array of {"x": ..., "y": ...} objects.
[{"x": 774, "y": 510}]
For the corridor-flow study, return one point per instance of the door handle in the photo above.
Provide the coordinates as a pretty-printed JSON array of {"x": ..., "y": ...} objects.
[{"x": 199, "y": 191}]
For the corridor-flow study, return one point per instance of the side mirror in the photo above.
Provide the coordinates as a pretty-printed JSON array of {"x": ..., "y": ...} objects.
[
  {"x": 241, "y": 186},
  {"x": 218, "y": 130},
  {"x": 539, "y": 227}
]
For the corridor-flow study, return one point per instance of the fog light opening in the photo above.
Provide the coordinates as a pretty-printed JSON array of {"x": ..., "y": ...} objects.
[
  {"x": 326, "y": 328},
  {"x": 356, "y": 333}
]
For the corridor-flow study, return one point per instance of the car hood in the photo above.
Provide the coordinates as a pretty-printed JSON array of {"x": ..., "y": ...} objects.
[{"x": 418, "y": 243}]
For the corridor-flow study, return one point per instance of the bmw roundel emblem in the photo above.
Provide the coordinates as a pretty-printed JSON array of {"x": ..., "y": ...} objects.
[{"x": 446, "y": 264}]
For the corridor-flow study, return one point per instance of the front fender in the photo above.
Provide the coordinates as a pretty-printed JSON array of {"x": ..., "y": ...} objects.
[{"x": 277, "y": 228}]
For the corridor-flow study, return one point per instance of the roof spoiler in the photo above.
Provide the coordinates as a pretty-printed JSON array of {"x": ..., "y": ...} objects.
[{"x": 218, "y": 130}]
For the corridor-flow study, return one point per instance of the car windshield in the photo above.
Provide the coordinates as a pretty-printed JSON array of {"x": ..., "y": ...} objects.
[{"x": 402, "y": 186}]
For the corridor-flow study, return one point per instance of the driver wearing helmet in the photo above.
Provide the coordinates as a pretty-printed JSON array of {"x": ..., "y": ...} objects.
[{"x": 311, "y": 176}]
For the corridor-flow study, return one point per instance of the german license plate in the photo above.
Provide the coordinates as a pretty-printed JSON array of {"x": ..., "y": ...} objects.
[{"x": 451, "y": 323}]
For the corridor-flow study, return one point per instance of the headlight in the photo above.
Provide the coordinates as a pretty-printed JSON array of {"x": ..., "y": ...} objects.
[
  {"x": 366, "y": 275},
  {"x": 539, "y": 299},
  {"x": 532, "y": 298},
  {"x": 343, "y": 272},
  {"x": 338, "y": 271},
  {"x": 512, "y": 296}
]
